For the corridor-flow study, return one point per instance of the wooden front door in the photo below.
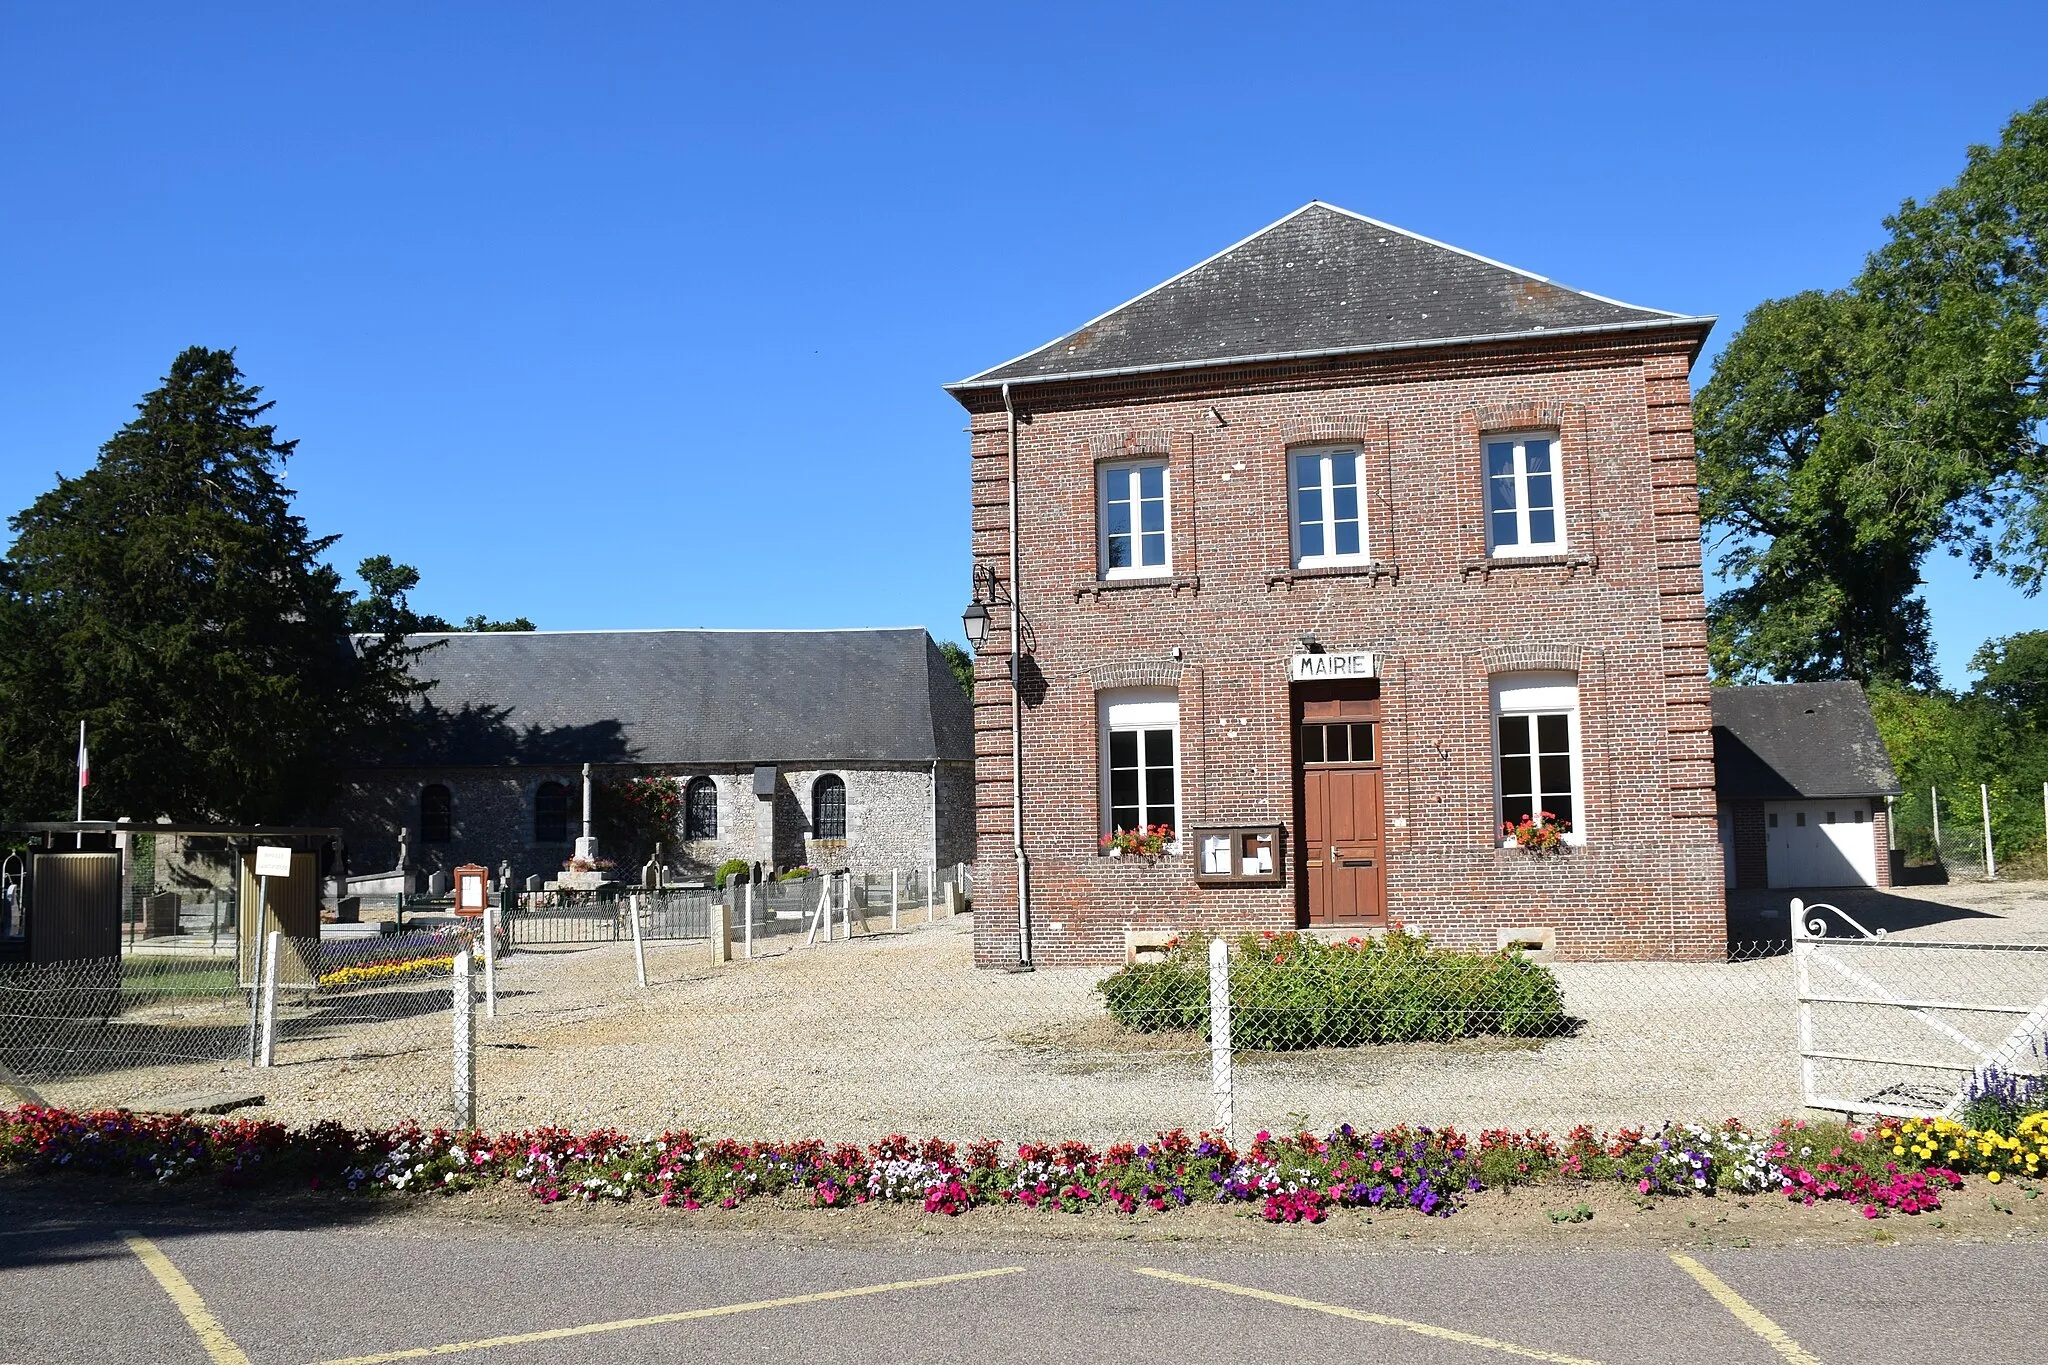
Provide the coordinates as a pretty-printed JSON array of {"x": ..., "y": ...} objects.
[{"x": 1343, "y": 819}]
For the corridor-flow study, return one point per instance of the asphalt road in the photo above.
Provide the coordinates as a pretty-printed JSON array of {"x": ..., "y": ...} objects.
[{"x": 106, "y": 1286}]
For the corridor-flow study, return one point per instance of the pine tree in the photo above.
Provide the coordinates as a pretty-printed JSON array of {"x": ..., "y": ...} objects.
[{"x": 171, "y": 598}]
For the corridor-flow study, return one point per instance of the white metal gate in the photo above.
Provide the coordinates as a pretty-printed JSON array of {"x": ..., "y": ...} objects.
[{"x": 1904, "y": 1026}]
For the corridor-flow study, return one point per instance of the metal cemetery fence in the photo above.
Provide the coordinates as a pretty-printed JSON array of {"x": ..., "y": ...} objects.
[{"x": 772, "y": 908}]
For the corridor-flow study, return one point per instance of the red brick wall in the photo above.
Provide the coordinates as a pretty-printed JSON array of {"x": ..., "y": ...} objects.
[
  {"x": 1752, "y": 867},
  {"x": 1626, "y": 613}
]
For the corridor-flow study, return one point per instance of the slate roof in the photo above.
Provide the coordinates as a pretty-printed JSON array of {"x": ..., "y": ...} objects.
[
  {"x": 687, "y": 697},
  {"x": 1787, "y": 741},
  {"x": 1322, "y": 280}
]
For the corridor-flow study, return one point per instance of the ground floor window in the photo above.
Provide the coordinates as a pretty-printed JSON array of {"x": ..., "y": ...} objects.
[
  {"x": 828, "y": 808},
  {"x": 1140, "y": 759},
  {"x": 700, "y": 809},
  {"x": 551, "y": 813},
  {"x": 1537, "y": 767}
]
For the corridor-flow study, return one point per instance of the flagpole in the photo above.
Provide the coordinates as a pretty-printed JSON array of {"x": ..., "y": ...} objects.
[{"x": 81, "y": 772}]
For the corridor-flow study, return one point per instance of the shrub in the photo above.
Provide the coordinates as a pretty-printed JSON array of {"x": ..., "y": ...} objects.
[
  {"x": 1292, "y": 991},
  {"x": 1996, "y": 1100},
  {"x": 797, "y": 874},
  {"x": 733, "y": 867}
]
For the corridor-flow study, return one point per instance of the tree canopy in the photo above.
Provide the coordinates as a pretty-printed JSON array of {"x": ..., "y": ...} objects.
[
  {"x": 384, "y": 610},
  {"x": 171, "y": 598},
  {"x": 1846, "y": 434}
]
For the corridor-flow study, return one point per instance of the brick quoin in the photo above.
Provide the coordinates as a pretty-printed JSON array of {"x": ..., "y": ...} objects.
[{"x": 1624, "y": 609}]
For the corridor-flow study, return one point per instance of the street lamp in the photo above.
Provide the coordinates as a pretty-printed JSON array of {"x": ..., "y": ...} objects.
[{"x": 974, "y": 620}]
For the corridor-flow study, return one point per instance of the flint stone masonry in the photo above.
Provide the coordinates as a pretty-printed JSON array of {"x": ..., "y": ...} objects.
[{"x": 506, "y": 714}]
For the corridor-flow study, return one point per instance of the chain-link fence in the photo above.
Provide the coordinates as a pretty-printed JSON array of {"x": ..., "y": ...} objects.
[
  {"x": 1946, "y": 826},
  {"x": 841, "y": 1026}
]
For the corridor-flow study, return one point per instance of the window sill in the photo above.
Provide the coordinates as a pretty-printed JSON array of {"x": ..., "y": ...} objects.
[
  {"x": 1099, "y": 586},
  {"x": 1570, "y": 563},
  {"x": 1373, "y": 569}
]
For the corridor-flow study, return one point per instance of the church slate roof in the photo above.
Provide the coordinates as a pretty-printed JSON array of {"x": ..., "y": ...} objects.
[
  {"x": 1322, "y": 280},
  {"x": 686, "y": 697},
  {"x": 1789, "y": 741}
]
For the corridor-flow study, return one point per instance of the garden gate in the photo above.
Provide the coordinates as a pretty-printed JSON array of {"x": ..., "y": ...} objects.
[{"x": 1909, "y": 1027}]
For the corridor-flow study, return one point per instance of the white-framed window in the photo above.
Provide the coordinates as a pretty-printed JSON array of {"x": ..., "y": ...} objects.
[
  {"x": 1524, "y": 495},
  {"x": 1140, "y": 758},
  {"x": 1327, "y": 491},
  {"x": 1538, "y": 772},
  {"x": 1137, "y": 541}
]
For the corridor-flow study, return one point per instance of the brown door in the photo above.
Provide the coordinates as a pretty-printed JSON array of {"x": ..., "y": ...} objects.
[{"x": 1343, "y": 819}]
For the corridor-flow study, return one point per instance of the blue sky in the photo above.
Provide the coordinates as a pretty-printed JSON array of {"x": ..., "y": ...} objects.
[{"x": 636, "y": 316}]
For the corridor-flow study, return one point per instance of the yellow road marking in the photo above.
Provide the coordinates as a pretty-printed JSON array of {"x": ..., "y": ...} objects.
[
  {"x": 1377, "y": 1319},
  {"x": 624, "y": 1324},
  {"x": 203, "y": 1323},
  {"x": 1745, "y": 1312}
]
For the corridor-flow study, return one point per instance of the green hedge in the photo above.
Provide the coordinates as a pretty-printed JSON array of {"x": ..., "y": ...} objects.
[{"x": 1292, "y": 991}]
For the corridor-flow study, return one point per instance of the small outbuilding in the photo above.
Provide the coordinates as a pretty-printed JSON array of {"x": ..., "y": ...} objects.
[{"x": 1801, "y": 785}]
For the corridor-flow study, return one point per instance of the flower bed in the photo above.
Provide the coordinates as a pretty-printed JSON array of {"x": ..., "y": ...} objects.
[
  {"x": 1294, "y": 991},
  {"x": 1298, "y": 1178}
]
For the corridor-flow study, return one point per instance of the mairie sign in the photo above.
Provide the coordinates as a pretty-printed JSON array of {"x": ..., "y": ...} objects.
[{"x": 1318, "y": 667}]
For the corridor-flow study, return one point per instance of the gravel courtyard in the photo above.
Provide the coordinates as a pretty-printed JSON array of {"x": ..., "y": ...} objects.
[{"x": 899, "y": 1033}]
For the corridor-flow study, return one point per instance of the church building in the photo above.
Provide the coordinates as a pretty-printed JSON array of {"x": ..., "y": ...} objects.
[{"x": 832, "y": 749}]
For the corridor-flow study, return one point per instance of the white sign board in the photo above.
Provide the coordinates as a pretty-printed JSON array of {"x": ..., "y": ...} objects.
[
  {"x": 273, "y": 862},
  {"x": 471, "y": 890},
  {"x": 1324, "y": 667}
]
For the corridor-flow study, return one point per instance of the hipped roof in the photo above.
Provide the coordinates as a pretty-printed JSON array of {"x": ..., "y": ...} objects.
[{"x": 1324, "y": 280}]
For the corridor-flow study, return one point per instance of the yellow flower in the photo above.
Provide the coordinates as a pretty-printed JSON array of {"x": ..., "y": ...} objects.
[{"x": 1992, "y": 1177}]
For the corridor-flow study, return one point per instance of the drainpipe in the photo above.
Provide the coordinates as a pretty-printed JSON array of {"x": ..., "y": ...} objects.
[{"x": 1017, "y": 717}]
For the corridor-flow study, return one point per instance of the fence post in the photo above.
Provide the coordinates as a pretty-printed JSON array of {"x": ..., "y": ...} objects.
[
  {"x": 270, "y": 947},
  {"x": 747, "y": 950},
  {"x": 1934, "y": 800},
  {"x": 846, "y": 906},
  {"x": 1990, "y": 857},
  {"x": 1220, "y": 1078},
  {"x": 639, "y": 949},
  {"x": 255, "y": 1003},
  {"x": 896, "y": 878},
  {"x": 490, "y": 963},
  {"x": 1802, "y": 989},
  {"x": 462, "y": 1090},
  {"x": 721, "y": 933}
]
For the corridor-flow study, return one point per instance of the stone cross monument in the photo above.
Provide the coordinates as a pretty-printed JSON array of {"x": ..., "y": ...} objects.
[{"x": 586, "y": 845}]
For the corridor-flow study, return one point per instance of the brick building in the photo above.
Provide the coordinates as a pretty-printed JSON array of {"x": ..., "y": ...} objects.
[
  {"x": 862, "y": 739},
  {"x": 1334, "y": 553}
]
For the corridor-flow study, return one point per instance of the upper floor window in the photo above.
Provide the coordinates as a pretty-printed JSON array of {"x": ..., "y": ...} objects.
[
  {"x": 437, "y": 814},
  {"x": 1135, "y": 539},
  {"x": 551, "y": 813},
  {"x": 828, "y": 808},
  {"x": 1329, "y": 507},
  {"x": 1524, "y": 512},
  {"x": 700, "y": 809},
  {"x": 1538, "y": 769},
  {"x": 1140, "y": 759}
]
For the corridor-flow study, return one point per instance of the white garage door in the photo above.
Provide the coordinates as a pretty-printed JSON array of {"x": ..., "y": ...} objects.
[{"x": 1821, "y": 843}]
